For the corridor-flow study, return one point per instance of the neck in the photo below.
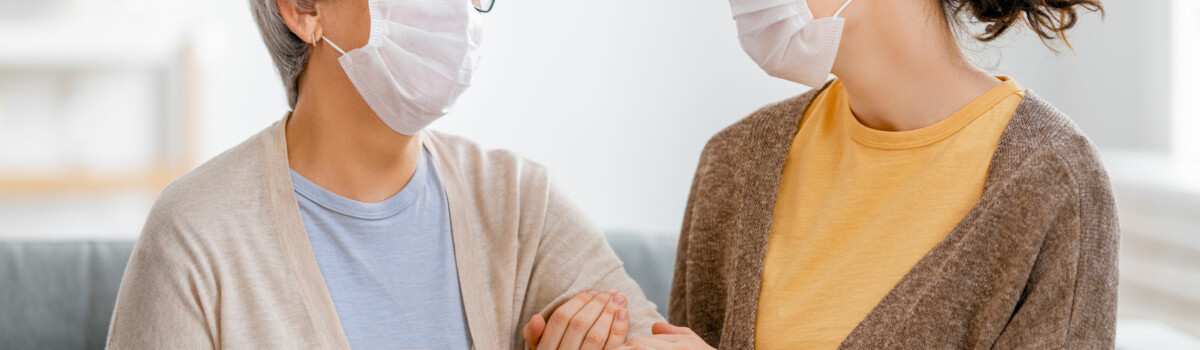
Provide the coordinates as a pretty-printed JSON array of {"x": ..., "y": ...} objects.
[
  {"x": 903, "y": 76},
  {"x": 336, "y": 141}
]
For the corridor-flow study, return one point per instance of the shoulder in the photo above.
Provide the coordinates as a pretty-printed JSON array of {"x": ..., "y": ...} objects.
[
  {"x": 229, "y": 188},
  {"x": 764, "y": 128},
  {"x": 1046, "y": 167},
  {"x": 497, "y": 188},
  {"x": 1046, "y": 142},
  {"x": 1043, "y": 155},
  {"x": 483, "y": 167},
  {"x": 500, "y": 184}
]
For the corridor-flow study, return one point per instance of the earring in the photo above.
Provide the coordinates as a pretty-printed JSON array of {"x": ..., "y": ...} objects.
[{"x": 313, "y": 38}]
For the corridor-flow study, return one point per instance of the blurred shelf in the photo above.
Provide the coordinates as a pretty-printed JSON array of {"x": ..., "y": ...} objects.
[
  {"x": 1158, "y": 198},
  {"x": 1134, "y": 334},
  {"x": 129, "y": 40},
  {"x": 65, "y": 45},
  {"x": 73, "y": 183}
]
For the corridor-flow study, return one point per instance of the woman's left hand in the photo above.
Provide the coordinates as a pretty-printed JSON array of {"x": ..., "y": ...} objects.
[
  {"x": 670, "y": 337},
  {"x": 589, "y": 321}
]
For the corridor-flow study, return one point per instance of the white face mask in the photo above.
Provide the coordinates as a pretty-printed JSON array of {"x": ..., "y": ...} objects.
[
  {"x": 784, "y": 39},
  {"x": 418, "y": 61}
]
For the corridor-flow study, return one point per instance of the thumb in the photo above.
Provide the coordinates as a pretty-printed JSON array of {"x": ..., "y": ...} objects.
[
  {"x": 666, "y": 328},
  {"x": 533, "y": 331}
]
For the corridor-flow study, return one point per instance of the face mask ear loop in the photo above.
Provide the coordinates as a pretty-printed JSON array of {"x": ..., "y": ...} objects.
[
  {"x": 839, "y": 11},
  {"x": 335, "y": 47}
]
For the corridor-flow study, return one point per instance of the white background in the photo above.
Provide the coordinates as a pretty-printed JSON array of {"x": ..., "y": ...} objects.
[{"x": 618, "y": 97}]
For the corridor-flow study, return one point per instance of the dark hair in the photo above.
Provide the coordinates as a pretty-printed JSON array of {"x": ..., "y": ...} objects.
[{"x": 1049, "y": 19}]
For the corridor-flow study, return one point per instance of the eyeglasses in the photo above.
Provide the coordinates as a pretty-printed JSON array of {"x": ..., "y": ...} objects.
[{"x": 483, "y": 6}]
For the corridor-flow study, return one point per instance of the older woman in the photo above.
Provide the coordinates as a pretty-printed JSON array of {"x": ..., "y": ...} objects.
[{"x": 347, "y": 224}]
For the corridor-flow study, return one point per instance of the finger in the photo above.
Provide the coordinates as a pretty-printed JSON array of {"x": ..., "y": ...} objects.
[
  {"x": 525, "y": 332},
  {"x": 583, "y": 321},
  {"x": 667, "y": 328},
  {"x": 598, "y": 335},
  {"x": 620, "y": 328},
  {"x": 533, "y": 331},
  {"x": 557, "y": 324},
  {"x": 672, "y": 338},
  {"x": 653, "y": 342}
]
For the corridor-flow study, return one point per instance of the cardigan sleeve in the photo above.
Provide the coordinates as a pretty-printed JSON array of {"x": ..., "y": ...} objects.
[
  {"x": 678, "y": 299},
  {"x": 573, "y": 256},
  {"x": 159, "y": 302},
  {"x": 1070, "y": 301},
  {"x": 678, "y": 304}
]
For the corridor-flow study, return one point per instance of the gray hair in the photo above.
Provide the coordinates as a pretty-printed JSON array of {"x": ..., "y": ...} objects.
[{"x": 289, "y": 52}]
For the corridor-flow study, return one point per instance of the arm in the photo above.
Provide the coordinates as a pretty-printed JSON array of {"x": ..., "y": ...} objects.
[
  {"x": 678, "y": 303},
  {"x": 158, "y": 305},
  {"x": 573, "y": 257},
  {"x": 1070, "y": 301}
]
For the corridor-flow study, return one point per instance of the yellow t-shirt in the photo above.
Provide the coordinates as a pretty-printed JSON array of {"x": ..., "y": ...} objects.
[{"x": 858, "y": 207}]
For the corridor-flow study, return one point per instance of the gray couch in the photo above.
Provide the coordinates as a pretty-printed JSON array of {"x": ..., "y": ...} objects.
[{"x": 60, "y": 295}]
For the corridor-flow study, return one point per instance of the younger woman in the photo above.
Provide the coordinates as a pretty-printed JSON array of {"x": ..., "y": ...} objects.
[{"x": 913, "y": 202}]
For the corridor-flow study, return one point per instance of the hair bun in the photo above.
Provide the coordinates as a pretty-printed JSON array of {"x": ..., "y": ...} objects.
[{"x": 1050, "y": 19}]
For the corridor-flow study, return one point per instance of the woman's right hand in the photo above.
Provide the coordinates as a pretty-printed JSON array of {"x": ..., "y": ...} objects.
[
  {"x": 591, "y": 320},
  {"x": 668, "y": 337}
]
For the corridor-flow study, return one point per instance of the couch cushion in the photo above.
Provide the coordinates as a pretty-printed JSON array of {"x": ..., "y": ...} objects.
[
  {"x": 650, "y": 260},
  {"x": 59, "y": 295}
]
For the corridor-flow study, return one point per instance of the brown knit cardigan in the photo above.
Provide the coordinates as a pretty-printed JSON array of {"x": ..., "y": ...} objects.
[{"x": 1033, "y": 265}]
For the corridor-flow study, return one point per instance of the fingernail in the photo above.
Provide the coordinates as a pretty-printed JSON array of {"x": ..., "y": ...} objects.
[
  {"x": 622, "y": 315},
  {"x": 611, "y": 291},
  {"x": 620, "y": 299},
  {"x": 592, "y": 293}
]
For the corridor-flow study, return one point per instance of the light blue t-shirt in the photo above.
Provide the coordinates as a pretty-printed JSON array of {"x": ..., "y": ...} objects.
[{"x": 389, "y": 266}]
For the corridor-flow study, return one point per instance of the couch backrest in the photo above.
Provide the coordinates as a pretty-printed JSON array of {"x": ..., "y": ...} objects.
[
  {"x": 60, "y": 295},
  {"x": 650, "y": 260}
]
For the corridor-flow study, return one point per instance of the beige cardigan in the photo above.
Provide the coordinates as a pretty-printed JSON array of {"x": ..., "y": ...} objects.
[
  {"x": 1032, "y": 266},
  {"x": 224, "y": 261}
]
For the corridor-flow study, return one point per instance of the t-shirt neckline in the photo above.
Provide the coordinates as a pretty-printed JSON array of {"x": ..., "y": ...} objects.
[
  {"x": 369, "y": 211},
  {"x": 930, "y": 134}
]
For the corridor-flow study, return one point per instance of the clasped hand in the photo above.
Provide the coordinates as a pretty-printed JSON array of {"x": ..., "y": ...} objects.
[
  {"x": 594, "y": 320},
  {"x": 591, "y": 320}
]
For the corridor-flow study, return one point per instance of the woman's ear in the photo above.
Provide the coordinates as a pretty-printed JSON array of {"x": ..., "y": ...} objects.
[{"x": 305, "y": 24}]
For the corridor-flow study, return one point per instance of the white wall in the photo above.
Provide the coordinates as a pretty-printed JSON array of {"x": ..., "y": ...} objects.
[
  {"x": 616, "y": 98},
  {"x": 1116, "y": 84}
]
